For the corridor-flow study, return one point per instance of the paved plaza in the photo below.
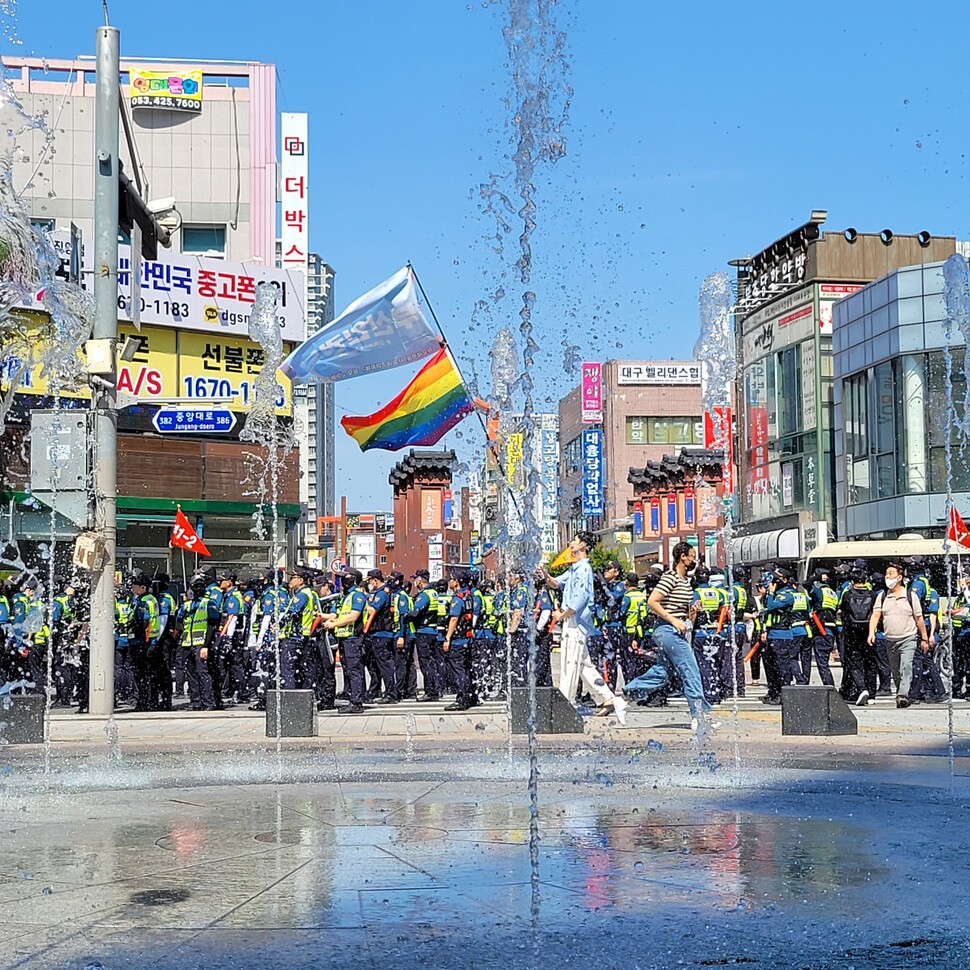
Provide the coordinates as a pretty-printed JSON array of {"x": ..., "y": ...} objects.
[{"x": 400, "y": 841}]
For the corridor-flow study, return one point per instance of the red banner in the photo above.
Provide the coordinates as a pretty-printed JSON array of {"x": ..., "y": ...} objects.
[
  {"x": 185, "y": 537},
  {"x": 957, "y": 529}
]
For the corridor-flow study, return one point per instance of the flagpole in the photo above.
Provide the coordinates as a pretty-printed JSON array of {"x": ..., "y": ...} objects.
[{"x": 491, "y": 445}]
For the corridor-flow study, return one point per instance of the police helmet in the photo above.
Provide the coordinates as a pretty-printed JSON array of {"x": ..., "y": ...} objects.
[
  {"x": 739, "y": 572},
  {"x": 701, "y": 574}
]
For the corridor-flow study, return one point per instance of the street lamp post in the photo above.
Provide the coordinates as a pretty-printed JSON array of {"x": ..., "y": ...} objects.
[{"x": 101, "y": 355}]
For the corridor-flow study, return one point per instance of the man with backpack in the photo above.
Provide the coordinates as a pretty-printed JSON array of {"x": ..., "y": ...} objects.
[
  {"x": 900, "y": 612},
  {"x": 859, "y": 666}
]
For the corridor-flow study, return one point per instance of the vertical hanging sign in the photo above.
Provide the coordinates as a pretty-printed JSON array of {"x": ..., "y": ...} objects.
[
  {"x": 672, "y": 510},
  {"x": 294, "y": 195},
  {"x": 637, "y": 519},
  {"x": 655, "y": 515},
  {"x": 592, "y": 462},
  {"x": 688, "y": 506},
  {"x": 718, "y": 436},
  {"x": 592, "y": 393}
]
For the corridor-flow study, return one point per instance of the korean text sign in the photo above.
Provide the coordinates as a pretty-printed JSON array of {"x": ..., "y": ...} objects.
[
  {"x": 592, "y": 392},
  {"x": 177, "y": 90},
  {"x": 592, "y": 465}
]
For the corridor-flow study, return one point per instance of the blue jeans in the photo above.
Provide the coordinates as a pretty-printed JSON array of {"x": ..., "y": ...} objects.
[{"x": 676, "y": 654}]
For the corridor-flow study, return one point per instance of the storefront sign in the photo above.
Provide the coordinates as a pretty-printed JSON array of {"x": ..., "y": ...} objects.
[
  {"x": 592, "y": 465},
  {"x": 809, "y": 410},
  {"x": 177, "y": 90},
  {"x": 592, "y": 393},
  {"x": 828, "y": 295},
  {"x": 513, "y": 454},
  {"x": 294, "y": 195},
  {"x": 787, "y": 485},
  {"x": 646, "y": 372},
  {"x": 206, "y": 294},
  {"x": 212, "y": 366}
]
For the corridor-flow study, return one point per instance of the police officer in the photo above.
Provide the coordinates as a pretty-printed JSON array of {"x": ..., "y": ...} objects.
[
  {"x": 5, "y": 645},
  {"x": 232, "y": 637},
  {"x": 125, "y": 682},
  {"x": 778, "y": 607},
  {"x": 960, "y": 626},
  {"x": 162, "y": 662},
  {"x": 459, "y": 633},
  {"x": 801, "y": 633},
  {"x": 199, "y": 623},
  {"x": 707, "y": 608},
  {"x": 730, "y": 654},
  {"x": 633, "y": 607},
  {"x": 401, "y": 606},
  {"x": 483, "y": 646},
  {"x": 322, "y": 646},
  {"x": 144, "y": 631},
  {"x": 518, "y": 600},
  {"x": 745, "y": 611},
  {"x": 297, "y": 627},
  {"x": 423, "y": 616},
  {"x": 347, "y": 626},
  {"x": 36, "y": 633},
  {"x": 613, "y": 624},
  {"x": 824, "y": 604},
  {"x": 379, "y": 636},
  {"x": 545, "y": 609},
  {"x": 444, "y": 597}
]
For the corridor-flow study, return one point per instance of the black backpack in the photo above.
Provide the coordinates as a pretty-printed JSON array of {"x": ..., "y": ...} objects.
[{"x": 857, "y": 607}]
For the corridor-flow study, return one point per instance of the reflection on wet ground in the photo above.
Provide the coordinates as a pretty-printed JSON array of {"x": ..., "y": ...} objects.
[{"x": 436, "y": 873}]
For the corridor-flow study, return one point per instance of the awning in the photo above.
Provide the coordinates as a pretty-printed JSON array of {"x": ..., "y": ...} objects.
[{"x": 777, "y": 546}]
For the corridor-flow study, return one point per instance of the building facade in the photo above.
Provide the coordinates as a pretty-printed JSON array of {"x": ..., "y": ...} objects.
[
  {"x": 893, "y": 417},
  {"x": 207, "y": 160},
  {"x": 649, "y": 409},
  {"x": 786, "y": 426}
]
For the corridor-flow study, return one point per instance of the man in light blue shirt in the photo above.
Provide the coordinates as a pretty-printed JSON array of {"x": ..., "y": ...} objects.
[{"x": 576, "y": 614}]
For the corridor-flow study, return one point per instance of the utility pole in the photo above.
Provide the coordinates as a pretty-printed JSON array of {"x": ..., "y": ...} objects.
[{"x": 101, "y": 350}]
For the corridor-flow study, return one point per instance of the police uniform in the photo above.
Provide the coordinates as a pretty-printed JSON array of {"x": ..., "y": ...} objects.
[
  {"x": 444, "y": 598},
  {"x": 146, "y": 627},
  {"x": 379, "y": 643},
  {"x": 457, "y": 650},
  {"x": 633, "y": 608},
  {"x": 401, "y": 606},
  {"x": 231, "y": 643},
  {"x": 199, "y": 623},
  {"x": 350, "y": 642},
  {"x": 545, "y": 606},
  {"x": 781, "y": 661},
  {"x": 801, "y": 634},
  {"x": 298, "y": 625},
  {"x": 708, "y": 640},
  {"x": 163, "y": 659},
  {"x": 424, "y": 618},
  {"x": 824, "y": 603},
  {"x": 483, "y": 645},
  {"x": 613, "y": 627}
]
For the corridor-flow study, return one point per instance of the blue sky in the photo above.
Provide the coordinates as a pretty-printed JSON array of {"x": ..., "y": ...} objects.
[{"x": 697, "y": 133}]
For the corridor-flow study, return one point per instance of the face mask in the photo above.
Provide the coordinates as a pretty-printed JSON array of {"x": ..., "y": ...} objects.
[{"x": 892, "y": 583}]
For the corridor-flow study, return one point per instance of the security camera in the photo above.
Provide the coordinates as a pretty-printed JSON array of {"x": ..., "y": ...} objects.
[{"x": 156, "y": 206}]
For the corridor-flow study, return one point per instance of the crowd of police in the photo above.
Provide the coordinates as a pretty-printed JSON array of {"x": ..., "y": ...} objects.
[{"x": 466, "y": 635}]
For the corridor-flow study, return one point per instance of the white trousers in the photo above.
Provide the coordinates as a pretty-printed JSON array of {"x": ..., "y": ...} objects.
[{"x": 574, "y": 662}]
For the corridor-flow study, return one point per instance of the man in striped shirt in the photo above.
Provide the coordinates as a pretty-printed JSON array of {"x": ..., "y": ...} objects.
[
  {"x": 577, "y": 624},
  {"x": 670, "y": 602}
]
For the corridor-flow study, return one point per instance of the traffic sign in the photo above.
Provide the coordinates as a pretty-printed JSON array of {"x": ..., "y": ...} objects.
[
  {"x": 337, "y": 566},
  {"x": 194, "y": 420}
]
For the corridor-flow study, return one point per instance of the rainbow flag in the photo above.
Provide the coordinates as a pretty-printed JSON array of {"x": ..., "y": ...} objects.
[{"x": 431, "y": 405}]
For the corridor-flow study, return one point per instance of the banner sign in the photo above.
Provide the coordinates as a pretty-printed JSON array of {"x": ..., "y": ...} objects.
[
  {"x": 177, "y": 90},
  {"x": 592, "y": 393},
  {"x": 592, "y": 465},
  {"x": 294, "y": 198},
  {"x": 655, "y": 515},
  {"x": 638, "y": 519},
  {"x": 213, "y": 295},
  {"x": 672, "y": 510},
  {"x": 688, "y": 506},
  {"x": 718, "y": 437},
  {"x": 658, "y": 372}
]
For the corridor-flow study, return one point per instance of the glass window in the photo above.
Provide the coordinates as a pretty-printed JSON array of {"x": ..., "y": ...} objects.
[
  {"x": 681, "y": 431},
  {"x": 790, "y": 391},
  {"x": 636, "y": 431},
  {"x": 659, "y": 431},
  {"x": 210, "y": 240}
]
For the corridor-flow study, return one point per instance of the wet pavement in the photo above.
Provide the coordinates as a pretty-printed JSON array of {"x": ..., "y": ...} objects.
[{"x": 647, "y": 859}]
